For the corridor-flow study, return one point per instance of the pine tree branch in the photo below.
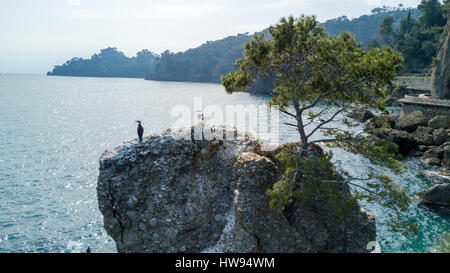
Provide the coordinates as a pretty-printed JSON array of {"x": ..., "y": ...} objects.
[
  {"x": 287, "y": 113},
  {"x": 317, "y": 115},
  {"x": 325, "y": 122},
  {"x": 290, "y": 124},
  {"x": 356, "y": 185}
]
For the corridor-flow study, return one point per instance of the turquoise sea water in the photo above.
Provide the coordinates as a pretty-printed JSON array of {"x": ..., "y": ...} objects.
[{"x": 54, "y": 129}]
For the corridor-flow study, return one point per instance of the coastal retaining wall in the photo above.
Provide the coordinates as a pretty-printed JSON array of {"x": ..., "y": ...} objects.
[{"x": 429, "y": 107}]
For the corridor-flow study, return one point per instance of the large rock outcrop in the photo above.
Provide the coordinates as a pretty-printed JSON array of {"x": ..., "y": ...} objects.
[
  {"x": 411, "y": 122},
  {"x": 439, "y": 122},
  {"x": 437, "y": 195},
  {"x": 441, "y": 71},
  {"x": 173, "y": 193},
  {"x": 404, "y": 140}
]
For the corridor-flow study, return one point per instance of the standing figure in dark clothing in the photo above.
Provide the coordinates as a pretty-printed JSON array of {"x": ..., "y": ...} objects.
[{"x": 140, "y": 131}]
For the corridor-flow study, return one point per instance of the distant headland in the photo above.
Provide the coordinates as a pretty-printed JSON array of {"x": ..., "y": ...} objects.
[{"x": 110, "y": 62}]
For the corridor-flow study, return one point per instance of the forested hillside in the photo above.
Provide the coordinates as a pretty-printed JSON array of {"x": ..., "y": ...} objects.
[
  {"x": 205, "y": 63},
  {"x": 209, "y": 61},
  {"x": 108, "y": 63},
  {"x": 213, "y": 59},
  {"x": 365, "y": 28},
  {"x": 416, "y": 38}
]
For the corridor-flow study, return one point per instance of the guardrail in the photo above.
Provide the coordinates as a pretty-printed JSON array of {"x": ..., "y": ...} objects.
[
  {"x": 418, "y": 83},
  {"x": 429, "y": 107},
  {"x": 434, "y": 102}
]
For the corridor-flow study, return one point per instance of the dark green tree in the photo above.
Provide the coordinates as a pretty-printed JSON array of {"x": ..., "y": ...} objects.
[
  {"x": 386, "y": 30},
  {"x": 373, "y": 44},
  {"x": 317, "y": 80},
  {"x": 446, "y": 9},
  {"x": 432, "y": 13},
  {"x": 405, "y": 25},
  {"x": 418, "y": 41}
]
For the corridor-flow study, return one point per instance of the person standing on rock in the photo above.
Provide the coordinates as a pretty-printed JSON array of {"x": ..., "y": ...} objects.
[{"x": 140, "y": 130}]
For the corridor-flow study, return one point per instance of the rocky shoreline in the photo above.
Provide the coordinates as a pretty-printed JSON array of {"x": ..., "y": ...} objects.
[
  {"x": 174, "y": 194},
  {"x": 416, "y": 136}
]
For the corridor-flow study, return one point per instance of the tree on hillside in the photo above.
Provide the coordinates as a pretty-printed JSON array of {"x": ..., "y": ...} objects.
[
  {"x": 446, "y": 9},
  {"x": 386, "y": 30},
  {"x": 432, "y": 14},
  {"x": 366, "y": 27},
  {"x": 405, "y": 25},
  {"x": 317, "y": 80},
  {"x": 417, "y": 40},
  {"x": 373, "y": 44}
]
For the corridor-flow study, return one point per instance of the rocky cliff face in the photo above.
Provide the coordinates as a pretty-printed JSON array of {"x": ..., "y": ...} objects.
[
  {"x": 441, "y": 72},
  {"x": 171, "y": 194}
]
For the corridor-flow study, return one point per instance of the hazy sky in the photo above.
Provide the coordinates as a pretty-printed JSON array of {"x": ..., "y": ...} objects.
[{"x": 37, "y": 34}]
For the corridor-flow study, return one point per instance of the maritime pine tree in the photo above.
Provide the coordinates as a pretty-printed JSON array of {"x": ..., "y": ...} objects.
[{"x": 318, "y": 79}]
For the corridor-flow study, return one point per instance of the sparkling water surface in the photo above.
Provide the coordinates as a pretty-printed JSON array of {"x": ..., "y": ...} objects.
[{"x": 54, "y": 129}]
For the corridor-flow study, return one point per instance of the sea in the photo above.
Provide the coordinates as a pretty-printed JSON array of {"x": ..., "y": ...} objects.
[{"x": 53, "y": 131}]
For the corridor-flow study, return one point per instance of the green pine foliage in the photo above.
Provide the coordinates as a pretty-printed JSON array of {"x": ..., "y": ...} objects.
[
  {"x": 311, "y": 69},
  {"x": 318, "y": 180}
]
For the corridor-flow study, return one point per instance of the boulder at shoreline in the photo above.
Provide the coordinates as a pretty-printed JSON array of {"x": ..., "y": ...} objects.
[
  {"x": 437, "y": 195},
  {"x": 411, "y": 122}
]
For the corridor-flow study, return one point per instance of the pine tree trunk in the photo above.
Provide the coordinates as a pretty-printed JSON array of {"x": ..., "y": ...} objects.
[{"x": 301, "y": 130}]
